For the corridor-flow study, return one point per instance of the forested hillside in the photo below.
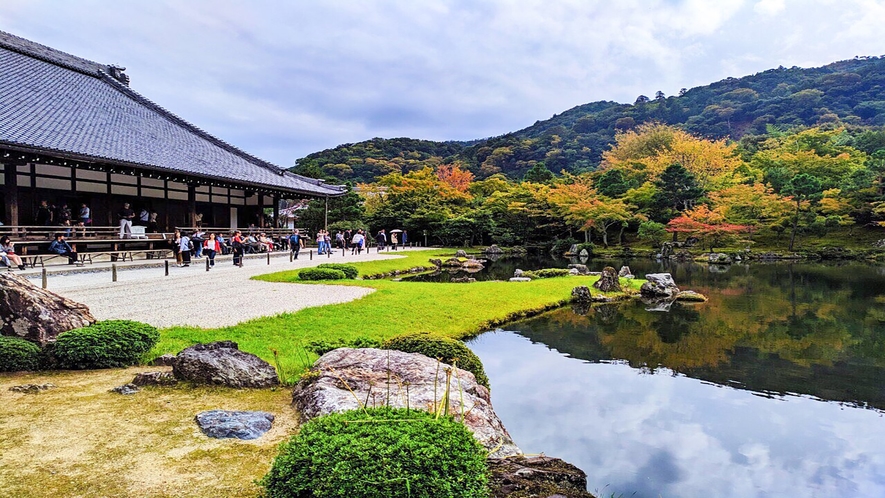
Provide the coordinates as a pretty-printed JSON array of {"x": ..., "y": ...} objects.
[{"x": 847, "y": 94}]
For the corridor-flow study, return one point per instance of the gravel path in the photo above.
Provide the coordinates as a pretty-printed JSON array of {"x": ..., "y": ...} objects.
[{"x": 192, "y": 296}]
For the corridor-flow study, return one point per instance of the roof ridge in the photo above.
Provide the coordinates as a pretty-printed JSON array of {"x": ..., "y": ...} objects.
[{"x": 50, "y": 55}]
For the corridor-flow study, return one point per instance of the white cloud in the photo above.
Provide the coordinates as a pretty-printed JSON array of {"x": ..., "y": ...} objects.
[{"x": 769, "y": 7}]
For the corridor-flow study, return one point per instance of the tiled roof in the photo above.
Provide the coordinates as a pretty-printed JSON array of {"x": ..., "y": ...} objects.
[{"x": 55, "y": 102}]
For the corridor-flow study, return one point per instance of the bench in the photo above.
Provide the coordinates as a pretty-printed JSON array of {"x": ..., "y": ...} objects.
[{"x": 33, "y": 260}]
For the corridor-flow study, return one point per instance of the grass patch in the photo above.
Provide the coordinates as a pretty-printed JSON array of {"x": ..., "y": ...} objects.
[{"x": 395, "y": 308}]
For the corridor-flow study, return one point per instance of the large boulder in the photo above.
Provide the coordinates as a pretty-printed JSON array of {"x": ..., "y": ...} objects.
[
  {"x": 460, "y": 253},
  {"x": 536, "y": 476},
  {"x": 222, "y": 424},
  {"x": 452, "y": 263},
  {"x": 346, "y": 379},
  {"x": 493, "y": 249},
  {"x": 35, "y": 314},
  {"x": 608, "y": 281},
  {"x": 582, "y": 269},
  {"x": 625, "y": 272},
  {"x": 222, "y": 363},
  {"x": 659, "y": 285},
  {"x": 581, "y": 294}
]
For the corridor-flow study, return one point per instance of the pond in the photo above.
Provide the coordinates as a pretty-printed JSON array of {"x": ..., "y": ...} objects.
[{"x": 775, "y": 387}]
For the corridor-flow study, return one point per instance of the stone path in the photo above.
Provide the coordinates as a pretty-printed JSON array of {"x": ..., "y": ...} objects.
[{"x": 224, "y": 296}]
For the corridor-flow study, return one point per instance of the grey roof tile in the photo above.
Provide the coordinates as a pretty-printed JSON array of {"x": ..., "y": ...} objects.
[{"x": 53, "y": 101}]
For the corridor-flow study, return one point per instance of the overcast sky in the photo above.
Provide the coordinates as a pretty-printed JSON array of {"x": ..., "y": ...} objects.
[{"x": 282, "y": 79}]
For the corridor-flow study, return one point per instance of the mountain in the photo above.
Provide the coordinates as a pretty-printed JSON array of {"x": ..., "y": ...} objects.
[{"x": 850, "y": 92}]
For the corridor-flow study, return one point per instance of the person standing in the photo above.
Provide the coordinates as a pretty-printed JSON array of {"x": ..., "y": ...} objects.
[
  {"x": 144, "y": 216},
  {"x": 62, "y": 248},
  {"x": 185, "y": 245},
  {"x": 211, "y": 247},
  {"x": 405, "y": 239},
  {"x": 393, "y": 240},
  {"x": 85, "y": 215},
  {"x": 295, "y": 244},
  {"x": 152, "y": 225},
  {"x": 44, "y": 214},
  {"x": 176, "y": 247},
  {"x": 238, "y": 246},
  {"x": 381, "y": 239},
  {"x": 321, "y": 242},
  {"x": 125, "y": 215},
  {"x": 356, "y": 243}
]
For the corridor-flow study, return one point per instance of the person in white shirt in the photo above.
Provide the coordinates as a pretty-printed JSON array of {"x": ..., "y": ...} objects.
[{"x": 184, "y": 248}]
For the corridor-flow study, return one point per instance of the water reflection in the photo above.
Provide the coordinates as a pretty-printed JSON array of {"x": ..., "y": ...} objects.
[{"x": 737, "y": 410}]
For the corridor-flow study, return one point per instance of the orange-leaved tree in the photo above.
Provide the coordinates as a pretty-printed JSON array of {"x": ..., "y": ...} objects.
[
  {"x": 709, "y": 225},
  {"x": 581, "y": 206}
]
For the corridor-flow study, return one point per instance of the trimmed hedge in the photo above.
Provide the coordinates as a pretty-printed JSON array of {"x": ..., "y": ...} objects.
[
  {"x": 108, "y": 344},
  {"x": 349, "y": 270},
  {"x": 18, "y": 355},
  {"x": 390, "y": 453},
  {"x": 443, "y": 348},
  {"x": 322, "y": 347},
  {"x": 546, "y": 273},
  {"x": 321, "y": 274}
]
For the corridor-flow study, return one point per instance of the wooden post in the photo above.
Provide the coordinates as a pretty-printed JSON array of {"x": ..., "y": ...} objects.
[
  {"x": 11, "y": 192},
  {"x": 207, "y": 264},
  {"x": 113, "y": 273},
  {"x": 167, "y": 267},
  {"x": 268, "y": 258},
  {"x": 191, "y": 205},
  {"x": 44, "y": 278},
  {"x": 276, "y": 211},
  {"x": 326, "y": 215}
]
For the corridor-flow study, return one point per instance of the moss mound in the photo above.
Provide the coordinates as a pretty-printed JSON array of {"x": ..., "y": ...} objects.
[
  {"x": 321, "y": 274},
  {"x": 447, "y": 350},
  {"x": 18, "y": 355},
  {"x": 379, "y": 453},
  {"x": 350, "y": 271},
  {"x": 107, "y": 344}
]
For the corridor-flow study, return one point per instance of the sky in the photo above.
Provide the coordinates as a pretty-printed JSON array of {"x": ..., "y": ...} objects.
[{"x": 282, "y": 79}]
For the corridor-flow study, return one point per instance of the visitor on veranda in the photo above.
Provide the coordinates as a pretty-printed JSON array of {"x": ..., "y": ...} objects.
[
  {"x": 62, "y": 248},
  {"x": 7, "y": 253},
  {"x": 125, "y": 216}
]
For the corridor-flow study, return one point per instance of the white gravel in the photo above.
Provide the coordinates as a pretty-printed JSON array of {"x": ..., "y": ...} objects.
[{"x": 224, "y": 296}]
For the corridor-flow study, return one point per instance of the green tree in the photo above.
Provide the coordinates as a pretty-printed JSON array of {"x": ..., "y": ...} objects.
[
  {"x": 538, "y": 174},
  {"x": 677, "y": 191},
  {"x": 804, "y": 188}
]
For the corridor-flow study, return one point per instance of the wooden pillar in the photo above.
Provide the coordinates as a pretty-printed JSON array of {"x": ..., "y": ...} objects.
[
  {"x": 260, "y": 210},
  {"x": 276, "y": 211},
  {"x": 191, "y": 205},
  {"x": 326, "y": 216},
  {"x": 11, "y": 192}
]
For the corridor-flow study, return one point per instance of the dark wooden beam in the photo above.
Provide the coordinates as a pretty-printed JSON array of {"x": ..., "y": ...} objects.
[{"x": 10, "y": 171}]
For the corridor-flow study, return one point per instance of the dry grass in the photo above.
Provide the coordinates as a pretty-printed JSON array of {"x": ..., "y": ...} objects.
[{"x": 79, "y": 440}]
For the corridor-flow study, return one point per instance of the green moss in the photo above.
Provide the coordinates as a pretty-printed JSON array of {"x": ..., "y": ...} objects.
[
  {"x": 447, "y": 350},
  {"x": 18, "y": 355}
]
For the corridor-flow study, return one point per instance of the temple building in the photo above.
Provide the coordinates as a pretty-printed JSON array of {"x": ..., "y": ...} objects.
[{"x": 73, "y": 131}]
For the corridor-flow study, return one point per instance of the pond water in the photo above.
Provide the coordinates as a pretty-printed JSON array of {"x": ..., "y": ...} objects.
[{"x": 775, "y": 387}]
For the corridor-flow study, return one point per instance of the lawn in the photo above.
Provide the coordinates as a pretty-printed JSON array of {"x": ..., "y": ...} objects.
[{"x": 453, "y": 310}]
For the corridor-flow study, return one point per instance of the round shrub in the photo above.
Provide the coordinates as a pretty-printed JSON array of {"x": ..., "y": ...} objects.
[
  {"x": 379, "y": 453},
  {"x": 447, "y": 350},
  {"x": 350, "y": 271},
  {"x": 108, "y": 344},
  {"x": 321, "y": 274},
  {"x": 552, "y": 272},
  {"x": 18, "y": 355}
]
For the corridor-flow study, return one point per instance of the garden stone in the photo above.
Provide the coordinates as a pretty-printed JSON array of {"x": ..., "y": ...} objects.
[
  {"x": 493, "y": 249},
  {"x": 572, "y": 250},
  {"x": 473, "y": 264},
  {"x": 584, "y": 253},
  {"x": 608, "y": 281},
  {"x": 463, "y": 280},
  {"x": 224, "y": 424},
  {"x": 573, "y": 272},
  {"x": 625, "y": 272},
  {"x": 452, "y": 263},
  {"x": 536, "y": 476},
  {"x": 345, "y": 378},
  {"x": 460, "y": 253},
  {"x": 691, "y": 296},
  {"x": 520, "y": 279},
  {"x": 37, "y": 315},
  {"x": 163, "y": 361},
  {"x": 581, "y": 294},
  {"x": 436, "y": 262},
  {"x": 517, "y": 273},
  {"x": 879, "y": 243},
  {"x": 718, "y": 257},
  {"x": 222, "y": 363},
  {"x": 659, "y": 285},
  {"x": 154, "y": 379},
  {"x": 125, "y": 389},
  {"x": 31, "y": 388},
  {"x": 582, "y": 269}
]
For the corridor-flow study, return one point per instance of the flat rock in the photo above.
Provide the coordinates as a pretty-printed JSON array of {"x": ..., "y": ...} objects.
[
  {"x": 582, "y": 269},
  {"x": 346, "y": 378},
  {"x": 125, "y": 389},
  {"x": 691, "y": 296},
  {"x": 520, "y": 279},
  {"x": 163, "y": 361},
  {"x": 154, "y": 379},
  {"x": 659, "y": 285},
  {"x": 539, "y": 476},
  {"x": 222, "y": 363},
  {"x": 224, "y": 424},
  {"x": 31, "y": 388},
  {"x": 37, "y": 315}
]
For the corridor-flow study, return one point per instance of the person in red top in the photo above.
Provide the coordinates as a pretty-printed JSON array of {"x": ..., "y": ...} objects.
[
  {"x": 238, "y": 245},
  {"x": 211, "y": 247}
]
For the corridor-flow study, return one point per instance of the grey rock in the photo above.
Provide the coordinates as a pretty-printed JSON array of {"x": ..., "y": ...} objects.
[
  {"x": 473, "y": 264},
  {"x": 224, "y": 424},
  {"x": 573, "y": 272},
  {"x": 452, "y": 263},
  {"x": 222, "y": 363},
  {"x": 608, "y": 281},
  {"x": 37, "y": 315},
  {"x": 436, "y": 262},
  {"x": 154, "y": 379},
  {"x": 520, "y": 279},
  {"x": 581, "y": 294},
  {"x": 584, "y": 253},
  {"x": 31, "y": 388},
  {"x": 346, "y": 378},
  {"x": 125, "y": 389},
  {"x": 691, "y": 296},
  {"x": 625, "y": 272},
  {"x": 460, "y": 253},
  {"x": 540, "y": 476},
  {"x": 463, "y": 280},
  {"x": 163, "y": 361},
  {"x": 572, "y": 250},
  {"x": 493, "y": 249},
  {"x": 659, "y": 285},
  {"x": 517, "y": 273},
  {"x": 582, "y": 269},
  {"x": 718, "y": 257}
]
